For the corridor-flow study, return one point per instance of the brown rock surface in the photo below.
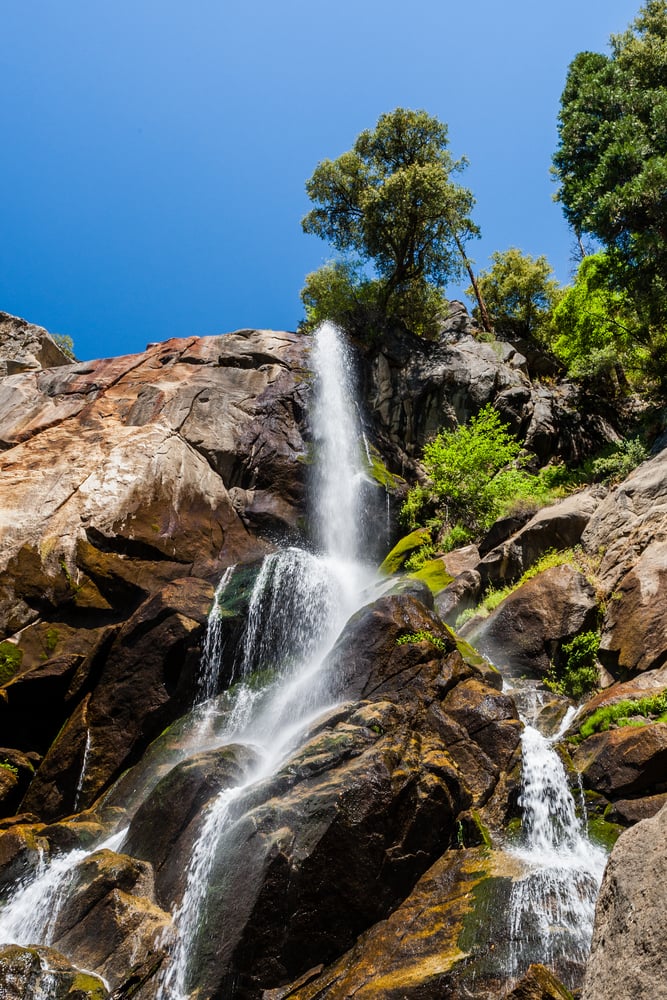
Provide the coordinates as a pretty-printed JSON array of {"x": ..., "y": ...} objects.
[
  {"x": 628, "y": 958},
  {"x": 30, "y": 973},
  {"x": 529, "y": 628},
  {"x": 627, "y": 761},
  {"x": 629, "y": 529}
]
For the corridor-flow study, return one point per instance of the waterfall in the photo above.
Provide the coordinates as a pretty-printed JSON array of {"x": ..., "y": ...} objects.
[
  {"x": 299, "y": 603},
  {"x": 552, "y": 905},
  {"x": 209, "y": 672},
  {"x": 31, "y": 911},
  {"x": 84, "y": 765}
]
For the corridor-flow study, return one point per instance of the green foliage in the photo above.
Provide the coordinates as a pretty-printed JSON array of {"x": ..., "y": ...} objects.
[
  {"x": 66, "y": 344},
  {"x": 621, "y": 713},
  {"x": 404, "y": 547},
  {"x": 419, "y": 557},
  {"x": 580, "y": 673},
  {"x": 520, "y": 293},
  {"x": 389, "y": 203},
  {"x": 455, "y": 538},
  {"x": 596, "y": 329},
  {"x": 611, "y": 465},
  {"x": 422, "y": 636},
  {"x": 6, "y": 766},
  {"x": 611, "y": 160},
  {"x": 471, "y": 477},
  {"x": 11, "y": 658}
]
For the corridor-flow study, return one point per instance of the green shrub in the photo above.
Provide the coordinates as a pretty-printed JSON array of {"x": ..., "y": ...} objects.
[
  {"x": 6, "y": 766},
  {"x": 422, "y": 636},
  {"x": 579, "y": 675},
  {"x": 456, "y": 538},
  {"x": 474, "y": 473},
  {"x": 622, "y": 712}
]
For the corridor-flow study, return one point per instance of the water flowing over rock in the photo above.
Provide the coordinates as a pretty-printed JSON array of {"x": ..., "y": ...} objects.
[{"x": 244, "y": 765}]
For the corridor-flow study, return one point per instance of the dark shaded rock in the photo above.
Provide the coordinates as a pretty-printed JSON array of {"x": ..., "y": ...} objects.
[
  {"x": 630, "y": 811},
  {"x": 502, "y": 529},
  {"x": 559, "y": 526},
  {"x": 148, "y": 677},
  {"x": 462, "y": 593},
  {"x": 29, "y": 973},
  {"x": 166, "y": 825},
  {"x": 527, "y": 631},
  {"x": 627, "y": 761},
  {"x": 628, "y": 958},
  {"x": 21, "y": 848},
  {"x": 447, "y": 939}
]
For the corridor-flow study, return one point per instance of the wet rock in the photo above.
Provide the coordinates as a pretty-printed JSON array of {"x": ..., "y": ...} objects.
[
  {"x": 462, "y": 593},
  {"x": 39, "y": 972},
  {"x": 447, "y": 939},
  {"x": 526, "y": 632},
  {"x": 110, "y": 917},
  {"x": 148, "y": 675},
  {"x": 627, "y": 761},
  {"x": 21, "y": 850},
  {"x": 539, "y": 984},
  {"x": 167, "y": 824},
  {"x": 628, "y": 957}
]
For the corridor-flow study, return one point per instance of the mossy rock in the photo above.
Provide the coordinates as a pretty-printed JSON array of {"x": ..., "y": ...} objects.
[
  {"x": 381, "y": 474},
  {"x": 434, "y": 574},
  {"x": 11, "y": 657},
  {"x": 393, "y": 562},
  {"x": 603, "y": 832}
]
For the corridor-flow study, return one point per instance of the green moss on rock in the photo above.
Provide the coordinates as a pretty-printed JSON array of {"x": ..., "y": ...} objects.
[
  {"x": 393, "y": 562},
  {"x": 434, "y": 575},
  {"x": 11, "y": 658}
]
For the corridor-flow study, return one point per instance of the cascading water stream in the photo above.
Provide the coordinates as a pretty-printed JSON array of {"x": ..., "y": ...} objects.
[
  {"x": 299, "y": 603},
  {"x": 552, "y": 905}
]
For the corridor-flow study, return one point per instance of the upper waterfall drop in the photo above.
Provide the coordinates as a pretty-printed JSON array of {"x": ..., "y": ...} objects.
[{"x": 339, "y": 468}]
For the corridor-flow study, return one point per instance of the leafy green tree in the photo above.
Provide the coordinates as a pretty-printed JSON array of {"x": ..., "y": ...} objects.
[
  {"x": 472, "y": 474},
  {"x": 520, "y": 293},
  {"x": 612, "y": 156},
  {"x": 390, "y": 204},
  {"x": 596, "y": 329}
]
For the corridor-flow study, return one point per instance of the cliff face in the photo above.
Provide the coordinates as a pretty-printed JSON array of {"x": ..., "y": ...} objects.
[
  {"x": 127, "y": 485},
  {"x": 372, "y": 862}
]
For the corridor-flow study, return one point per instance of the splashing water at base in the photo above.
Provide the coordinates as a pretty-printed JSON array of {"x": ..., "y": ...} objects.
[
  {"x": 30, "y": 914},
  {"x": 552, "y": 906}
]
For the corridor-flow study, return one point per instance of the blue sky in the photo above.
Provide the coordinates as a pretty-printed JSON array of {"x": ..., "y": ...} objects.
[{"x": 155, "y": 151}]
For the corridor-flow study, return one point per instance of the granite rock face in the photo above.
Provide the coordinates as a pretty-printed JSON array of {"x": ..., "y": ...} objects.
[
  {"x": 25, "y": 347},
  {"x": 628, "y": 955}
]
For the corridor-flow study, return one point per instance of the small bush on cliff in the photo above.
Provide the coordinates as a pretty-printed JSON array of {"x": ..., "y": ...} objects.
[
  {"x": 580, "y": 673},
  {"x": 623, "y": 713},
  {"x": 473, "y": 473}
]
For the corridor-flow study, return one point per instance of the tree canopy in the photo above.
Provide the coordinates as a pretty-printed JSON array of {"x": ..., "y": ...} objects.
[
  {"x": 390, "y": 203},
  {"x": 612, "y": 156},
  {"x": 520, "y": 293}
]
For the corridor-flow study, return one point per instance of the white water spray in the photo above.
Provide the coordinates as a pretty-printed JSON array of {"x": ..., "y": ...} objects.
[
  {"x": 553, "y": 904},
  {"x": 298, "y": 606}
]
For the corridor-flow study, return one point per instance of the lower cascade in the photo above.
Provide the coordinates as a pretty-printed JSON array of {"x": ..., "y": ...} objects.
[
  {"x": 284, "y": 707},
  {"x": 552, "y": 904}
]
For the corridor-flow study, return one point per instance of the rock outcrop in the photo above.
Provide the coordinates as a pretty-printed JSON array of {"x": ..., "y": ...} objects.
[{"x": 628, "y": 956}]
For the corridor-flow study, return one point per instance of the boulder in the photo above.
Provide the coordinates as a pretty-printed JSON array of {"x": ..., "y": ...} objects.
[
  {"x": 109, "y": 916},
  {"x": 629, "y": 529},
  {"x": 25, "y": 347},
  {"x": 527, "y": 630},
  {"x": 628, "y": 957},
  {"x": 627, "y": 761},
  {"x": 539, "y": 984},
  {"x": 148, "y": 678},
  {"x": 559, "y": 526}
]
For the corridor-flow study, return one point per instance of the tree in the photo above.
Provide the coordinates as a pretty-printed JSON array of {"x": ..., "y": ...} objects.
[
  {"x": 596, "y": 328},
  {"x": 390, "y": 203},
  {"x": 612, "y": 156},
  {"x": 520, "y": 293}
]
